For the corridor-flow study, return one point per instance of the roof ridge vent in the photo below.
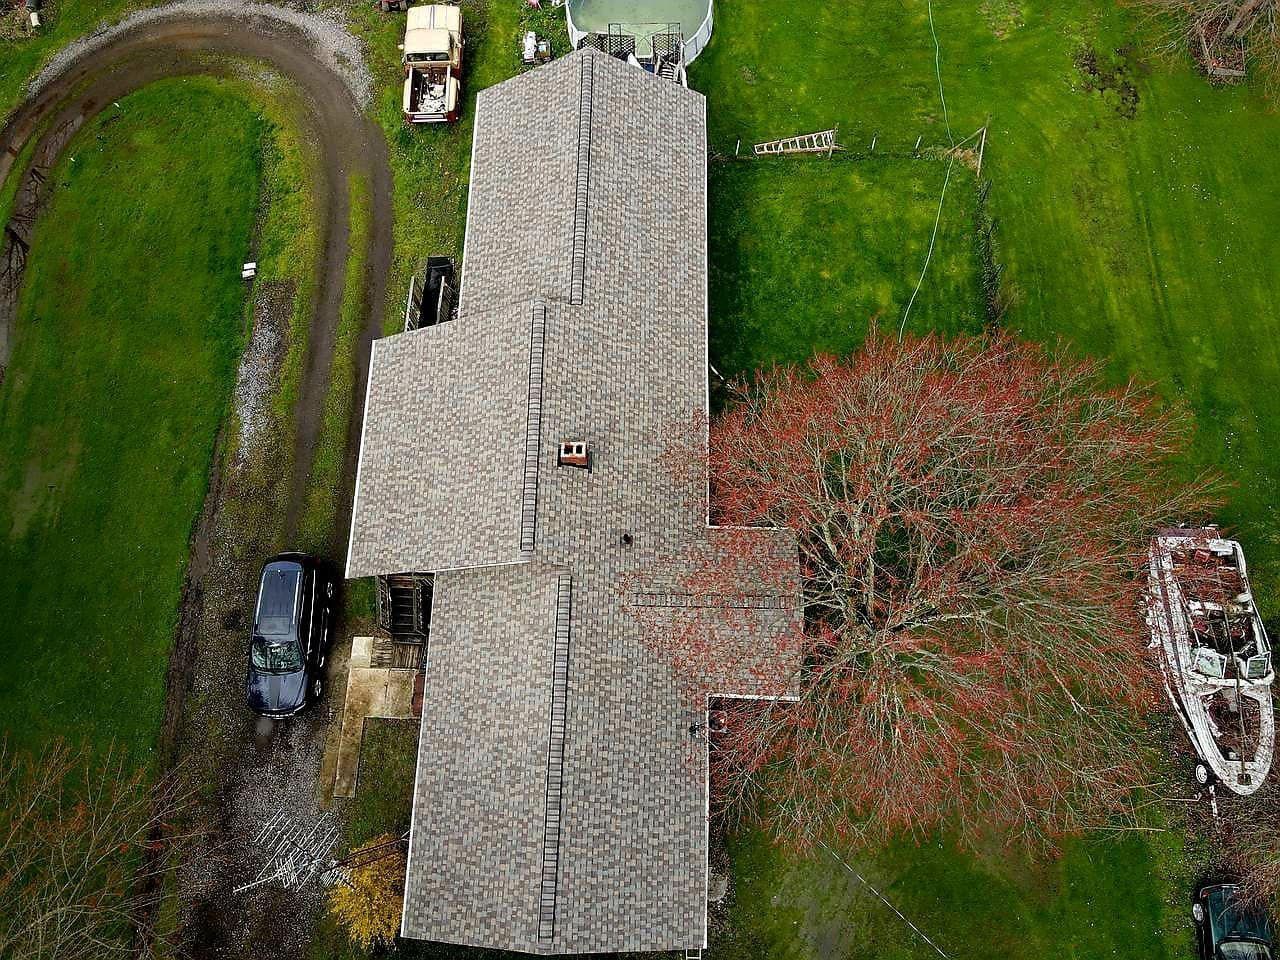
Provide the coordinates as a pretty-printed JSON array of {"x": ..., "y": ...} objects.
[
  {"x": 555, "y": 761},
  {"x": 533, "y": 430},
  {"x": 586, "y": 91}
]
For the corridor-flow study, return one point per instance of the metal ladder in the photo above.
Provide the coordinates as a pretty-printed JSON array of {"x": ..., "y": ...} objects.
[{"x": 824, "y": 141}]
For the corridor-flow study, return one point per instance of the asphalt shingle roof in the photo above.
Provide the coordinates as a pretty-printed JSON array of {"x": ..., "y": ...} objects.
[
  {"x": 560, "y": 801},
  {"x": 441, "y": 456}
]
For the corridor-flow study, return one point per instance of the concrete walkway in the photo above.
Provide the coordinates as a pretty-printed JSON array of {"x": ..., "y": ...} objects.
[{"x": 379, "y": 692}]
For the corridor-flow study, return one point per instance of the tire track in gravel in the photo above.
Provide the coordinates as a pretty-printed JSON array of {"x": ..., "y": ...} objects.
[{"x": 347, "y": 141}]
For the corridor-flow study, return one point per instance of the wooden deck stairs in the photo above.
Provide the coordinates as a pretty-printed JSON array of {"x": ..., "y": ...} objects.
[
  {"x": 404, "y": 606},
  {"x": 671, "y": 69}
]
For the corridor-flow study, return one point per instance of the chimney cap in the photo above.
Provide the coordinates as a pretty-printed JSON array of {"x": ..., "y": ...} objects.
[{"x": 574, "y": 453}]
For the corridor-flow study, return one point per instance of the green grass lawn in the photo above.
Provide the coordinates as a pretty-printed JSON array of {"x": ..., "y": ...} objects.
[
  {"x": 1147, "y": 240},
  {"x": 1142, "y": 235},
  {"x": 804, "y": 256},
  {"x": 999, "y": 904},
  {"x": 127, "y": 340}
]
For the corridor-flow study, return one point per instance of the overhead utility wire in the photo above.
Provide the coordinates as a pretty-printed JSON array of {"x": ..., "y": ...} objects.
[
  {"x": 706, "y": 738},
  {"x": 937, "y": 69},
  {"x": 946, "y": 120}
]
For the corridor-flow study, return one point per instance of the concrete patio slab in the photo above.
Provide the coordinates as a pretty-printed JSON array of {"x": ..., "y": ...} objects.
[{"x": 379, "y": 692}]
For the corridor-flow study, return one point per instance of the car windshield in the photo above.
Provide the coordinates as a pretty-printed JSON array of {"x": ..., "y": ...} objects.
[
  {"x": 434, "y": 56},
  {"x": 277, "y": 602},
  {"x": 1243, "y": 950},
  {"x": 278, "y": 656}
]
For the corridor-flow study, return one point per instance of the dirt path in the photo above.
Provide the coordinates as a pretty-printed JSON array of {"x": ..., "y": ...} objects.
[
  {"x": 206, "y": 723},
  {"x": 348, "y": 143}
]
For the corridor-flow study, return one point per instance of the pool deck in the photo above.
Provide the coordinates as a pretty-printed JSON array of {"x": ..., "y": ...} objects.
[{"x": 643, "y": 19}]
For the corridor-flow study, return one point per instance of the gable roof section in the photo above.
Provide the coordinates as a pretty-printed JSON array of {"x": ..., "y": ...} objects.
[
  {"x": 560, "y": 802},
  {"x": 727, "y": 611},
  {"x": 442, "y": 453},
  {"x": 524, "y": 160},
  {"x": 476, "y": 844},
  {"x": 591, "y": 170}
]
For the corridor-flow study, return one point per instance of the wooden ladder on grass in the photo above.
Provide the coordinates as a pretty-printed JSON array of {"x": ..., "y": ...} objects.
[{"x": 824, "y": 141}]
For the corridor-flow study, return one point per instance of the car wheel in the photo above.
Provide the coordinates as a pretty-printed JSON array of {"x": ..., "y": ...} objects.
[
  {"x": 1204, "y": 776},
  {"x": 317, "y": 688},
  {"x": 1197, "y": 912}
]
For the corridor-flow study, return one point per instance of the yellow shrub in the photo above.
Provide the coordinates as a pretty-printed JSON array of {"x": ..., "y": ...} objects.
[{"x": 368, "y": 905}]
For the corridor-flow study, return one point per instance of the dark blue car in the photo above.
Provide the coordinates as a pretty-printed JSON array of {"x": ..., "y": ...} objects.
[
  {"x": 292, "y": 623},
  {"x": 1229, "y": 927}
]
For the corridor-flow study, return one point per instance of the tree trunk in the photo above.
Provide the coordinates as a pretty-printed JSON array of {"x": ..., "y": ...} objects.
[{"x": 1244, "y": 18}]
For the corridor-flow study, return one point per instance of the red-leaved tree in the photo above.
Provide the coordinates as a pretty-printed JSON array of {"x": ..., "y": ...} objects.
[{"x": 973, "y": 517}]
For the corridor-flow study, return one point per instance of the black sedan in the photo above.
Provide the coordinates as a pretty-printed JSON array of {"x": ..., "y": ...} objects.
[
  {"x": 1230, "y": 928},
  {"x": 292, "y": 624}
]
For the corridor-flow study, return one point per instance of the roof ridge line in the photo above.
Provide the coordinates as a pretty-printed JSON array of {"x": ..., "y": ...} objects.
[
  {"x": 533, "y": 430},
  {"x": 555, "y": 761}
]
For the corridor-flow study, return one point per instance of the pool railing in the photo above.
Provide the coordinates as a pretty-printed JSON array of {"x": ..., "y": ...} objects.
[{"x": 693, "y": 44}]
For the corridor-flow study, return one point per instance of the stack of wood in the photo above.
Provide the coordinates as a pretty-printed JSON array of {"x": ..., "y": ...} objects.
[
  {"x": 1220, "y": 56},
  {"x": 1220, "y": 34}
]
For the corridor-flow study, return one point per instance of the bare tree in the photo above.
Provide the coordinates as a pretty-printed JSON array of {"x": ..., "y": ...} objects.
[
  {"x": 973, "y": 519},
  {"x": 85, "y": 844},
  {"x": 1248, "y": 836}
]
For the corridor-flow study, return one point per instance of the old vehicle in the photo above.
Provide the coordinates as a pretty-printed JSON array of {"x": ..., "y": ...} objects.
[
  {"x": 1230, "y": 928},
  {"x": 292, "y": 627},
  {"x": 1214, "y": 654},
  {"x": 433, "y": 64}
]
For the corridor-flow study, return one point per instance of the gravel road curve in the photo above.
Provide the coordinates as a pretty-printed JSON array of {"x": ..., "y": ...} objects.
[{"x": 249, "y": 773}]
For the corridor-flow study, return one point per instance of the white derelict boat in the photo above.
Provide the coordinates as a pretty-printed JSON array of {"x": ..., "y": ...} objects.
[{"x": 1214, "y": 654}]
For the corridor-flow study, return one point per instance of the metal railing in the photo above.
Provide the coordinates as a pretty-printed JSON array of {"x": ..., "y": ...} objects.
[{"x": 694, "y": 42}]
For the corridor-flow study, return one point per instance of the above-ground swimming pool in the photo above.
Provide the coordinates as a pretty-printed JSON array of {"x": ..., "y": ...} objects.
[{"x": 642, "y": 19}]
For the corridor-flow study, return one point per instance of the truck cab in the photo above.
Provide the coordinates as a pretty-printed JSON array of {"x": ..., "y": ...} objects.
[{"x": 433, "y": 64}]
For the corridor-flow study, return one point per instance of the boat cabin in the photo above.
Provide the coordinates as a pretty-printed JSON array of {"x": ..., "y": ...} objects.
[{"x": 1227, "y": 635}]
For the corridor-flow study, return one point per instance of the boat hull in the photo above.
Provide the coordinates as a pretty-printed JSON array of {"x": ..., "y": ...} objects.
[{"x": 1229, "y": 718}]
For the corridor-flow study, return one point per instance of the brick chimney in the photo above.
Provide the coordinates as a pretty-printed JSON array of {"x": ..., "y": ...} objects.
[{"x": 574, "y": 453}]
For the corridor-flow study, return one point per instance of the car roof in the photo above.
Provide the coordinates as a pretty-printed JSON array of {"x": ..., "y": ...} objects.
[
  {"x": 1232, "y": 917},
  {"x": 278, "y": 592}
]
